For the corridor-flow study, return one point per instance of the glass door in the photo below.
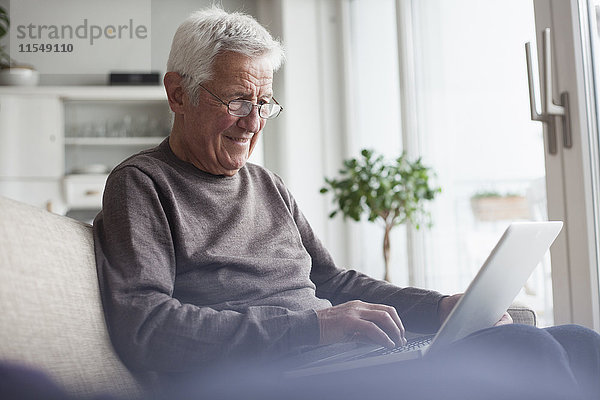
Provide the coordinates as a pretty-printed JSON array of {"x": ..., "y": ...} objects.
[
  {"x": 473, "y": 127},
  {"x": 465, "y": 108}
]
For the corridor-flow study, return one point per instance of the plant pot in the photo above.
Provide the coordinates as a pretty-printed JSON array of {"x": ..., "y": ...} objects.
[
  {"x": 500, "y": 208},
  {"x": 19, "y": 76}
]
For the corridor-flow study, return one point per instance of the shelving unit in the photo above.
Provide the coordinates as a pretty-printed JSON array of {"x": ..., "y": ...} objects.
[
  {"x": 105, "y": 130},
  {"x": 57, "y": 144},
  {"x": 134, "y": 141}
]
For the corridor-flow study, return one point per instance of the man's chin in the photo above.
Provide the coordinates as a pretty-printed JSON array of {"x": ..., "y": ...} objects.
[{"x": 233, "y": 166}]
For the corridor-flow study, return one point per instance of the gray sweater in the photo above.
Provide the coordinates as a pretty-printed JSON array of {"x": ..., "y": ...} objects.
[{"x": 196, "y": 268}]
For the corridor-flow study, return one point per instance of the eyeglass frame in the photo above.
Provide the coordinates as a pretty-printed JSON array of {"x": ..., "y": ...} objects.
[{"x": 245, "y": 101}]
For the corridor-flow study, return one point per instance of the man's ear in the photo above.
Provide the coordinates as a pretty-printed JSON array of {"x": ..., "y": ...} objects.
[{"x": 175, "y": 92}]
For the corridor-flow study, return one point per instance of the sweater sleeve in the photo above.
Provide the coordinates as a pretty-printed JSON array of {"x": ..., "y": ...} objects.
[
  {"x": 416, "y": 307},
  {"x": 150, "y": 328}
]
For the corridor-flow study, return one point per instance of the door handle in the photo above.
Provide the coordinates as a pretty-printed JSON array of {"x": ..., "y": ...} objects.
[
  {"x": 535, "y": 115},
  {"x": 549, "y": 110}
]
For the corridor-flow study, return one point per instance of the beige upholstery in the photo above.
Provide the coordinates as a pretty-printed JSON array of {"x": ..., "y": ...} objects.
[
  {"x": 51, "y": 310},
  {"x": 522, "y": 314}
]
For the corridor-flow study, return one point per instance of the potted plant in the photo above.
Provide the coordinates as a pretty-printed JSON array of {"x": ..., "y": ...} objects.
[
  {"x": 12, "y": 73},
  {"x": 392, "y": 193},
  {"x": 490, "y": 205}
]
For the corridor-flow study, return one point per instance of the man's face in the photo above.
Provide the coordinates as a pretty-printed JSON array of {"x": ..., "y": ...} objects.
[{"x": 214, "y": 140}]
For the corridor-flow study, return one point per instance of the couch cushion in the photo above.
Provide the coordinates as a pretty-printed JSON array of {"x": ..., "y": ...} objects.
[{"x": 52, "y": 314}]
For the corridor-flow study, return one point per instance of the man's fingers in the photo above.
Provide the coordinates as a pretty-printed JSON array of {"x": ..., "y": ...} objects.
[
  {"x": 396, "y": 318},
  {"x": 356, "y": 319},
  {"x": 373, "y": 333},
  {"x": 384, "y": 321}
]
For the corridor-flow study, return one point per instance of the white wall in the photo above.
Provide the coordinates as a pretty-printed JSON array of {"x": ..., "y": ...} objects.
[{"x": 166, "y": 17}]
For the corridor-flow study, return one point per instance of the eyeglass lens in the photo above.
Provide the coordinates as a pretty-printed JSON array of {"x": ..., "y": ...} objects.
[{"x": 241, "y": 108}]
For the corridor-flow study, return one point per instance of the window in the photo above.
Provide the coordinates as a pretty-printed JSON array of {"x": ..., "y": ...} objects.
[{"x": 472, "y": 126}]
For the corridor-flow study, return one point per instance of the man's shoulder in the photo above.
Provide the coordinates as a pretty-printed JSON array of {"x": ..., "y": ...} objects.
[{"x": 146, "y": 160}]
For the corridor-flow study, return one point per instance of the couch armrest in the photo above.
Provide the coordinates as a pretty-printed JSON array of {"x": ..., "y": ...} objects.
[{"x": 522, "y": 315}]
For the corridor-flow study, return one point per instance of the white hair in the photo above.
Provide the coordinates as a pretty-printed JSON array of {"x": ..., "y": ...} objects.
[{"x": 207, "y": 33}]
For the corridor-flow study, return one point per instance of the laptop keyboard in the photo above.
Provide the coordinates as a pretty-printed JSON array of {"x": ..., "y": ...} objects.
[{"x": 412, "y": 344}]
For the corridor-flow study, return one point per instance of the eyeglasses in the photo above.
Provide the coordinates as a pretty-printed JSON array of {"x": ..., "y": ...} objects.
[{"x": 242, "y": 108}]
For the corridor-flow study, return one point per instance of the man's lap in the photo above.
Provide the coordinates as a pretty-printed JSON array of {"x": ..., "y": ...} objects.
[{"x": 511, "y": 361}]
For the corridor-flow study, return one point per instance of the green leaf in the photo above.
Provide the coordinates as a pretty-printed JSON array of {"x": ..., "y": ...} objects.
[
  {"x": 4, "y": 22},
  {"x": 371, "y": 186}
]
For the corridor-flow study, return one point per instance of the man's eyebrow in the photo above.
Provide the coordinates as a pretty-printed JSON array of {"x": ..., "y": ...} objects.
[
  {"x": 241, "y": 93},
  {"x": 247, "y": 94}
]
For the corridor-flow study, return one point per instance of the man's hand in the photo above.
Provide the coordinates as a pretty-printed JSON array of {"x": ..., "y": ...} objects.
[
  {"x": 506, "y": 319},
  {"x": 357, "y": 320},
  {"x": 447, "y": 304}
]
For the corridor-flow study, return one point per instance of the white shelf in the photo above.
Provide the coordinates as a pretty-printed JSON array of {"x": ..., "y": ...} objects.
[
  {"x": 99, "y": 93},
  {"x": 114, "y": 141}
]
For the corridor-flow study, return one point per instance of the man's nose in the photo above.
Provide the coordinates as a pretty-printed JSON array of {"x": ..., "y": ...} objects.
[{"x": 250, "y": 122}]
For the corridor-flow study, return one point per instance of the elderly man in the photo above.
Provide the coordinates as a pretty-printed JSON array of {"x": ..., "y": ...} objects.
[{"x": 203, "y": 257}]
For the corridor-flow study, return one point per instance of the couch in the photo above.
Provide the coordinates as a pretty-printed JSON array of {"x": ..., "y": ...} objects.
[{"x": 51, "y": 316}]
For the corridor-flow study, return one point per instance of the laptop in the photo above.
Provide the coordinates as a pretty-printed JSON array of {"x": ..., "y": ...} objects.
[{"x": 499, "y": 280}]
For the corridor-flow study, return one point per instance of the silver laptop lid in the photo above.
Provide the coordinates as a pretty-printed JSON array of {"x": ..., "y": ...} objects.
[{"x": 507, "y": 268}]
